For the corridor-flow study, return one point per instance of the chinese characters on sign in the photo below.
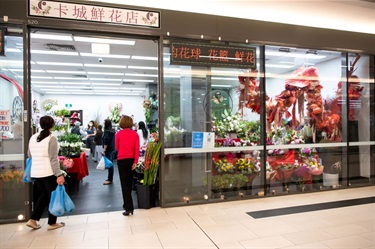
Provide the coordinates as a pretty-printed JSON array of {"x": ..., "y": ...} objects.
[
  {"x": 84, "y": 12},
  {"x": 4, "y": 120},
  {"x": 212, "y": 55},
  {"x": 2, "y": 42}
]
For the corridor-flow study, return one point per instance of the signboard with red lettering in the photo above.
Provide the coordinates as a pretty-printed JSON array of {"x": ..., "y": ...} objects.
[
  {"x": 4, "y": 120},
  {"x": 2, "y": 41},
  {"x": 197, "y": 54},
  {"x": 94, "y": 13}
]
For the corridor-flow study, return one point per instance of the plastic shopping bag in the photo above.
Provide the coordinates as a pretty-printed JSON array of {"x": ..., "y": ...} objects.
[
  {"x": 26, "y": 173},
  {"x": 108, "y": 164},
  {"x": 101, "y": 165},
  {"x": 60, "y": 203}
]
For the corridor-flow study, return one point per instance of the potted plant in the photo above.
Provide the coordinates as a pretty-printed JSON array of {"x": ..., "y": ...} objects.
[{"x": 146, "y": 191}]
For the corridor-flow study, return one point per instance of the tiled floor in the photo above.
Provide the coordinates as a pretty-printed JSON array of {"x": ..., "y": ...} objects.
[{"x": 221, "y": 225}]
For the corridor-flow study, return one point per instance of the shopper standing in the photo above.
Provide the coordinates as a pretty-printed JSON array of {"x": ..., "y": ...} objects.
[
  {"x": 45, "y": 169},
  {"x": 108, "y": 147},
  {"x": 127, "y": 146},
  {"x": 142, "y": 133},
  {"x": 98, "y": 140},
  {"x": 91, "y": 132}
]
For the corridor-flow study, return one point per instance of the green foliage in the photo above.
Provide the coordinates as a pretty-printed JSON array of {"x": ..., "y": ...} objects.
[{"x": 70, "y": 138}]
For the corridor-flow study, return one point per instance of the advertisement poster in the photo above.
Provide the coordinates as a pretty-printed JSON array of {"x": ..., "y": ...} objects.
[{"x": 4, "y": 120}]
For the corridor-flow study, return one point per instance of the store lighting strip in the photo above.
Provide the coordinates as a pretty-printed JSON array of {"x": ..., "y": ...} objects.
[
  {"x": 116, "y": 56},
  {"x": 49, "y": 52},
  {"x": 103, "y": 40},
  {"x": 145, "y": 68},
  {"x": 59, "y": 64},
  {"x": 105, "y": 66},
  {"x": 51, "y": 37}
]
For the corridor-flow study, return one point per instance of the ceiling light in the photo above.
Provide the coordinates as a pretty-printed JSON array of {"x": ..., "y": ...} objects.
[
  {"x": 58, "y": 86},
  {"x": 129, "y": 94},
  {"x": 104, "y": 84},
  {"x": 103, "y": 65},
  {"x": 14, "y": 50},
  {"x": 146, "y": 68},
  {"x": 97, "y": 48},
  {"x": 80, "y": 87},
  {"x": 59, "y": 64},
  {"x": 108, "y": 91},
  {"x": 131, "y": 88},
  {"x": 129, "y": 91},
  {"x": 66, "y": 72},
  {"x": 117, "y": 56},
  {"x": 41, "y": 77},
  {"x": 81, "y": 93},
  {"x": 49, "y": 52},
  {"x": 103, "y": 73},
  {"x": 56, "y": 92},
  {"x": 52, "y": 89},
  {"x": 69, "y": 78},
  {"x": 308, "y": 56},
  {"x": 9, "y": 62},
  {"x": 222, "y": 86},
  {"x": 51, "y": 37},
  {"x": 43, "y": 82},
  {"x": 103, "y": 40},
  {"x": 104, "y": 79},
  {"x": 99, "y": 87},
  {"x": 141, "y": 75},
  {"x": 147, "y": 58},
  {"x": 133, "y": 80},
  {"x": 75, "y": 83}
]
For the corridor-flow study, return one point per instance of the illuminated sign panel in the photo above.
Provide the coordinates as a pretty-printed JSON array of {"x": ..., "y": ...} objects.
[{"x": 212, "y": 55}]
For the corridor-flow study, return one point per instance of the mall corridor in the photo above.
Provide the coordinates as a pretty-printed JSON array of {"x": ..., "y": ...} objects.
[{"x": 346, "y": 219}]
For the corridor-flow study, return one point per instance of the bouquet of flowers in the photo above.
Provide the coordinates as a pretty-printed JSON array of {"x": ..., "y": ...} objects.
[
  {"x": 151, "y": 162},
  {"x": 307, "y": 152},
  {"x": 247, "y": 165},
  {"x": 229, "y": 123},
  {"x": 115, "y": 114},
  {"x": 315, "y": 168},
  {"x": 223, "y": 166}
]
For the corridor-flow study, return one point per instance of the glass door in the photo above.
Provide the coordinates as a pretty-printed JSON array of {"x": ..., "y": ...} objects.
[{"x": 12, "y": 188}]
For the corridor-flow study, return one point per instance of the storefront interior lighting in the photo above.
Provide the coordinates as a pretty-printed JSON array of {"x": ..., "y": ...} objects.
[
  {"x": 59, "y": 64},
  {"x": 145, "y": 68},
  {"x": 55, "y": 92},
  {"x": 69, "y": 78},
  {"x": 247, "y": 41},
  {"x": 100, "y": 48},
  {"x": 104, "y": 84},
  {"x": 219, "y": 38},
  {"x": 103, "y": 40},
  {"x": 205, "y": 197},
  {"x": 41, "y": 77},
  {"x": 104, "y": 79},
  {"x": 20, "y": 217},
  {"x": 76, "y": 83},
  {"x": 51, "y": 37},
  {"x": 168, "y": 34},
  {"x": 202, "y": 36},
  {"x": 43, "y": 82},
  {"x": 105, "y": 66},
  {"x": 115, "y": 56},
  {"x": 104, "y": 73},
  {"x": 65, "y": 72},
  {"x": 141, "y": 75},
  {"x": 13, "y": 50},
  {"x": 147, "y": 58},
  {"x": 134, "y": 80},
  {"x": 49, "y": 52}
]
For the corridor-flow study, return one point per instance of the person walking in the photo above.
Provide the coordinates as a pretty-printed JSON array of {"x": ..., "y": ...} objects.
[
  {"x": 45, "y": 169},
  {"x": 127, "y": 146},
  {"x": 109, "y": 147}
]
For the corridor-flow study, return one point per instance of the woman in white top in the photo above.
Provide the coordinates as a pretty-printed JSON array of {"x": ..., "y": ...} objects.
[
  {"x": 142, "y": 133},
  {"x": 45, "y": 170}
]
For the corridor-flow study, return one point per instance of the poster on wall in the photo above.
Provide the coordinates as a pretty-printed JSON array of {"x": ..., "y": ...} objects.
[{"x": 4, "y": 120}]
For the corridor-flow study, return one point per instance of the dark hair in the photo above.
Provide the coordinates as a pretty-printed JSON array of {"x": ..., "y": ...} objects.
[
  {"x": 107, "y": 124},
  {"x": 126, "y": 122},
  {"x": 100, "y": 127},
  {"x": 142, "y": 126},
  {"x": 46, "y": 123}
]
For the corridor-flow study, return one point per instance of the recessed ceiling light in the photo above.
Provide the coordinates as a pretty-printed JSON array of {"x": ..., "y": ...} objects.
[
  {"x": 131, "y": 88},
  {"x": 134, "y": 80},
  {"x": 66, "y": 72},
  {"x": 49, "y": 52},
  {"x": 100, "y": 48},
  {"x": 103, "y": 73},
  {"x": 103, "y": 40},
  {"x": 104, "y": 79},
  {"x": 51, "y": 37},
  {"x": 146, "y": 68},
  {"x": 69, "y": 78},
  {"x": 149, "y": 58},
  {"x": 43, "y": 82},
  {"x": 13, "y": 50},
  {"x": 59, "y": 64},
  {"x": 74, "y": 83},
  {"x": 141, "y": 75},
  {"x": 58, "y": 86},
  {"x": 56, "y": 92},
  {"x": 116, "y": 56},
  {"x": 104, "y": 84},
  {"x": 104, "y": 65},
  {"x": 41, "y": 77}
]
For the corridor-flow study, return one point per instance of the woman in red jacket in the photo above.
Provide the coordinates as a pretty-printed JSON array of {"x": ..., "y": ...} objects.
[{"x": 127, "y": 146}]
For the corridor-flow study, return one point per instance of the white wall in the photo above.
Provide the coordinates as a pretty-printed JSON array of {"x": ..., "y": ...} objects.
[{"x": 94, "y": 105}]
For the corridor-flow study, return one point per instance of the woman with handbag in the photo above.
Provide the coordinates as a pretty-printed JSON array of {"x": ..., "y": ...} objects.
[
  {"x": 45, "y": 170},
  {"x": 127, "y": 146}
]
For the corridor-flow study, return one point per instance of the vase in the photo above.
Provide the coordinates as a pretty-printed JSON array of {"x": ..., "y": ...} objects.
[
  {"x": 146, "y": 196},
  {"x": 330, "y": 180}
]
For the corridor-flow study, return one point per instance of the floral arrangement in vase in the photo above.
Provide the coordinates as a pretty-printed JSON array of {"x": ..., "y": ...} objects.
[{"x": 115, "y": 114}]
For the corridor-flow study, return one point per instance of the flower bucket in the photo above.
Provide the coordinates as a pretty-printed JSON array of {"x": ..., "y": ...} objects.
[{"x": 330, "y": 180}]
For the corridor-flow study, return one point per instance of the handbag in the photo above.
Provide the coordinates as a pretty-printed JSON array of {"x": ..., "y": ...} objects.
[
  {"x": 101, "y": 165},
  {"x": 27, "y": 172},
  {"x": 108, "y": 164},
  {"x": 60, "y": 202}
]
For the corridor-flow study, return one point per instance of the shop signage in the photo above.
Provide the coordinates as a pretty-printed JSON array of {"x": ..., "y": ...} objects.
[
  {"x": 2, "y": 41},
  {"x": 196, "y": 54},
  {"x": 203, "y": 140},
  {"x": 4, "y": 120},
  {"x": 94, "y": 13}
]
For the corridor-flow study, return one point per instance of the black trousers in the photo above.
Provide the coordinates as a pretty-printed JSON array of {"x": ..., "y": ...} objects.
[
  {"x": 126, "y": 179},
  {"x": 44, "y": 187}
]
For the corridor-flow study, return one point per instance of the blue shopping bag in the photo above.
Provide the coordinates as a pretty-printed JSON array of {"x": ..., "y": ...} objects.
[
  {"x": 27, "y": 172},
  {"x": 60, "y": 202},
  {"x": 108, "y": 164}
]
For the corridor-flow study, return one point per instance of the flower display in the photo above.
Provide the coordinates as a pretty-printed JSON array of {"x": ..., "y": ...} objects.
[
  {"x": 307, "y": 152},
  {"x": 223, "y": 165},
  {"x": 172, "y": 130},
  {"x": 11, "y": 174},
  {"x": 115, "y": 114},
  {"x": 151, "y": 162},
  {"x": 247, "y": 165},
  {"x": 70, "y": 144},
  {"x": 276, "y": 152},
  {"x": 229, "y": 123}
]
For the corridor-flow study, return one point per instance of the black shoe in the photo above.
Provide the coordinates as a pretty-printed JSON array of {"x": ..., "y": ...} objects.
[{"x": 126, "y": 213}]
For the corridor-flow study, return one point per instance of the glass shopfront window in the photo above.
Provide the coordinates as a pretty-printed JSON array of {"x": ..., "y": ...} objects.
[
  {"x": 306, "y": 119},
  {"x": 361, "y": 116},
  {"x": 222, "y": 101},
  {"x": 12, "y": 189}
]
